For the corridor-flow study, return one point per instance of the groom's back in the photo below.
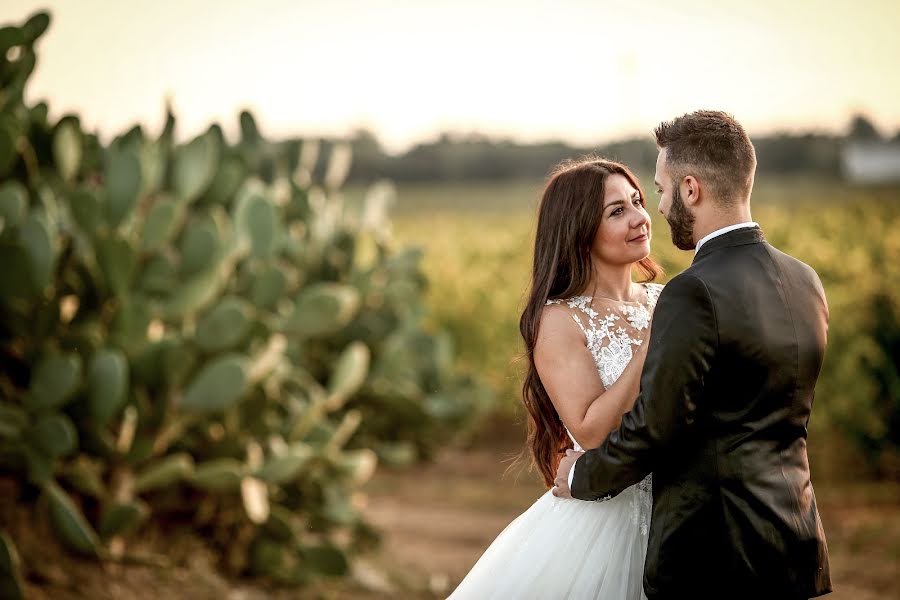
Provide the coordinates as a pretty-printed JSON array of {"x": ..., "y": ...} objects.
[
  {"x": 743, "y": 487},
  {"x": 772, "y": 322}
]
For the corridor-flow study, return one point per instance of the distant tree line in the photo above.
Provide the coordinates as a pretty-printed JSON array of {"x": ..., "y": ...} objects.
[{"x": 478, "y": 157}]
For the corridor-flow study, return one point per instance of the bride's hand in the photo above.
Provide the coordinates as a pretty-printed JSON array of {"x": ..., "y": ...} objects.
[
  {"x": 646, "y": 338},
  {"x": 636, "y": 366},
  {"x": 641, "y": 353},
  {"x": 561, "y": 487}
]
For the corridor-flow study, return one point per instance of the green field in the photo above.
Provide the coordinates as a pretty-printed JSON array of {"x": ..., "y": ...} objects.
[{"x": 478, "y": 238}]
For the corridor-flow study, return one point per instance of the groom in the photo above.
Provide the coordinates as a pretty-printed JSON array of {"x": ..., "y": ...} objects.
[{"x": 736, "y": 346}]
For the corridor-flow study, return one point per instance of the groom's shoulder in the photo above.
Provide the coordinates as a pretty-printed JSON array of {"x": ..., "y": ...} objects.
[
  {"x": 688, "y": 284},
  {"x": 792, "y": 267},
  {"x": 788, "y": 259},
  {"x": 734, "y": 269}
]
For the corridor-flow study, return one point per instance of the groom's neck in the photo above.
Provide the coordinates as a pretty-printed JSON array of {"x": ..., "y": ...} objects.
[{"x": 706, "y": 224}]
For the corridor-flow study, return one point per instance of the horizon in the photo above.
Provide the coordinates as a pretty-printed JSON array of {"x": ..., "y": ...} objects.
[
  {"x": 580, "y": 73},
  {"x": 466, "y": 136}
]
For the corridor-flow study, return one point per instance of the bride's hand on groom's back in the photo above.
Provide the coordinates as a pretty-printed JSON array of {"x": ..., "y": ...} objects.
[{"x": 561, "y": 483}]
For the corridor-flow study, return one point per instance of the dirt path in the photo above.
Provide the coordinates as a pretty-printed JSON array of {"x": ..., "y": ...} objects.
[{"x": 437, "y": 519}]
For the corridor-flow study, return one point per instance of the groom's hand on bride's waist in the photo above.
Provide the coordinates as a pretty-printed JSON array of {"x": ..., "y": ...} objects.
[{"x": 561, "y": 488}]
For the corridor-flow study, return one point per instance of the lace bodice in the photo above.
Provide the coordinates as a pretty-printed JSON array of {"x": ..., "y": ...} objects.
[{"x": 612, "y": 329}]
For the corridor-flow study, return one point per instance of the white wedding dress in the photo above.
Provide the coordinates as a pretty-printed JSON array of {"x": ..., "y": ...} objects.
[{"x": 569, "y": 548}]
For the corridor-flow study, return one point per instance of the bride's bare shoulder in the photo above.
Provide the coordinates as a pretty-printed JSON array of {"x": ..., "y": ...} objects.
[{"x": 558, "y": 325}]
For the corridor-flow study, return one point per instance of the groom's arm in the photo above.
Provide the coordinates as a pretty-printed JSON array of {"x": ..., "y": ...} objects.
[{"x": 683, "y": 341}]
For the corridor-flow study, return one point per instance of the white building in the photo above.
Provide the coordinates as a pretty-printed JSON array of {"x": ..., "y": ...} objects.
[{"x": 871, "y": 161}]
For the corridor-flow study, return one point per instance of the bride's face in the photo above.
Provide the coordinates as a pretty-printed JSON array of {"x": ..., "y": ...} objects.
[{"x": 624, "y": 233}]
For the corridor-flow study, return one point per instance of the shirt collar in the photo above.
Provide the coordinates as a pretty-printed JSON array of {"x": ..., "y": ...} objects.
[{"x": 723, "y": 230}]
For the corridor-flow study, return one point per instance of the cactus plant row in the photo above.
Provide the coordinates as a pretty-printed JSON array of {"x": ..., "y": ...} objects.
[{"x": 203, "y": 328}]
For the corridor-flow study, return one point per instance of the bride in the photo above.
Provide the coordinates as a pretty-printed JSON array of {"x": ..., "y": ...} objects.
[{"x": 584, "y": 329}]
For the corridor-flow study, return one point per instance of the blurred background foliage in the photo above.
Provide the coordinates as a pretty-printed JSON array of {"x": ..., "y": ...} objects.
[
  {"x": 847, "y": 232},
  {"x": 226, "y": 336},
  {"x": 475, "y": 157}
]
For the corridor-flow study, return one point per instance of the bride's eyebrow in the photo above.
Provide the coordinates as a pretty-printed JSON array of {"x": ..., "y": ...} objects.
[{"x": 634, "y": 194}]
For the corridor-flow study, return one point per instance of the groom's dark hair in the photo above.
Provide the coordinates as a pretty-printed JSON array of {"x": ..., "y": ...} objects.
[{"x": 713, "y": 147}]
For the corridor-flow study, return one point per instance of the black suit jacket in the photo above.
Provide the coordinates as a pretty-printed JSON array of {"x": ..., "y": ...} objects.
[{"x": 736, "y": 346}]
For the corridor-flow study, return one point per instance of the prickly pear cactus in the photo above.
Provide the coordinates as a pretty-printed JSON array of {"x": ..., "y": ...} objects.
[{"x": 203, "y": 329}]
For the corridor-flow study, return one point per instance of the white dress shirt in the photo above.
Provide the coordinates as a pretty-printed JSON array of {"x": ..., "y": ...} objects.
[{"x": 702, "y": 241}]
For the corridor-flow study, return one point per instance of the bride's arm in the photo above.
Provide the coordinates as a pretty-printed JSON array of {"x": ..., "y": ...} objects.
[
  {"x": 620, "y": 396},
  {"x": 569, "y": 374}
]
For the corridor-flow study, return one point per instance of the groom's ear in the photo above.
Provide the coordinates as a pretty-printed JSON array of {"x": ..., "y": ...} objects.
[{"x": 690, "y": 190}]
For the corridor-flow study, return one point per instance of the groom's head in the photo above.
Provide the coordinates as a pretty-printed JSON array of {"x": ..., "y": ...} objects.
[{"x": 704, "y": 171}]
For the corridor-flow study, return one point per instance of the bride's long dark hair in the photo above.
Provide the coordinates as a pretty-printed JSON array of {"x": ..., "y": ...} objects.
[{"x": 568, "y": 219}]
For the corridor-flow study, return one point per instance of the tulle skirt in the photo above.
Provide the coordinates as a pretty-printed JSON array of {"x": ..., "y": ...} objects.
[{"x": 567, "y": 549}]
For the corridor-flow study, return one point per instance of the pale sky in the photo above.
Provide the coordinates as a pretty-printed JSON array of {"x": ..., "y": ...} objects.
[{"x": 582, "y": 71}]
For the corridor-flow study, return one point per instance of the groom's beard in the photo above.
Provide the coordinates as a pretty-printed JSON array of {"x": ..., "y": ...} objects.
[{"x": 681, "y": 222}]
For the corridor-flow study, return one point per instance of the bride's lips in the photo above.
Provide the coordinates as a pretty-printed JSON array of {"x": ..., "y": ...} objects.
[{"x": 641, "y": 238}]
